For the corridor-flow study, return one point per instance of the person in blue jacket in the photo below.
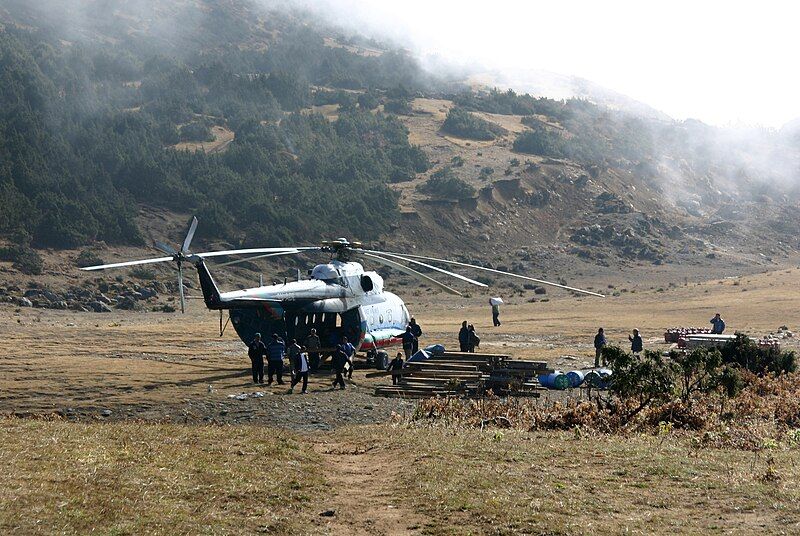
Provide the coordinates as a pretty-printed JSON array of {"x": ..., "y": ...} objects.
[
  {"x": 276, "y": 351},
  {"x": 636, "y": 342},
  {"x": 717, "y": 325}
]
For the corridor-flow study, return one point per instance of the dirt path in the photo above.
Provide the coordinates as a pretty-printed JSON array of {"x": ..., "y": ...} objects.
[{"x": 362, "y": 496}]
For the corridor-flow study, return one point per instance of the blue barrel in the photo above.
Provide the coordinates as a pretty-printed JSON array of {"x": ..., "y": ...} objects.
[
  {"x": 555, "y": 380},
  {"x": 575, "y": 378},
  {"x": 599, "y": 378}
]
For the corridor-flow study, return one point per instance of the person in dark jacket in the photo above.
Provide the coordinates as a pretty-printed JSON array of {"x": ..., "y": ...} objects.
[
  {"x": 350, "y": 351},
  {"x": 463, "y": 337},
  {"x": 256, "y": 351},
  {"x": 417, "y": 331},
  {"x": 599, "y": 344},
  {"x": 276, "y": 351},
  {"x": 474, "y": 340},
  {"x": 313, "y": 344},
  {"x": 396, "y": 364},
  {"x": 717, "y": 325},
  {"x": 408, "y": 339},
  {"x": 300, "y": 367},
  {"x": 636, "y": 342},
  {"x": 339, "y": 361},
  {"x": 495, "y": 313}
]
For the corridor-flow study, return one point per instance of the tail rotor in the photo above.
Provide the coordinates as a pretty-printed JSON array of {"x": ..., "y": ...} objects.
[{"x": 180, "y": 256}]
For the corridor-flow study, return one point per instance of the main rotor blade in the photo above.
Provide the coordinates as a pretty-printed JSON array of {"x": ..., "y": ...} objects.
[
  {"x": 410, "y": 271},
  {"x": 189, "y": 235},
  {"x": 128, "y": 263},
  {"x": 166, "y": 248},
  {"x": 446, "y": 272},
  {"x": 251, "y": 251},
  {"x": 237, "y": 261},
  {"x": 542, "y": 281}
]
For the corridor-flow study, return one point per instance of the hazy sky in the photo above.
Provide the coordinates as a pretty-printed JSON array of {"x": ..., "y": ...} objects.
[{"x": 722, "y": 62}]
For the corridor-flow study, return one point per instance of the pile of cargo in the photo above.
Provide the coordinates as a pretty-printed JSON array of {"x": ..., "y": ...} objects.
[
  {"x": 599, "y": 378},
  {"x": 673, "y": 335},
  {"x": 464, "y": 374}
]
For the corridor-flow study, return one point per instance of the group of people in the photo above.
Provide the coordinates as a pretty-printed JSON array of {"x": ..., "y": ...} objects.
[
  {"x": 600, "y": 342},
  {"x": 637, "y": 345},
  {"x": 275, "y": 352},
  {"x": 468, "y": 339}
]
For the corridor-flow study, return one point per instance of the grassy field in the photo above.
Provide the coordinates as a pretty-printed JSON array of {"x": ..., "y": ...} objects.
[
  {"x": 390, "y": 479},
  {"x": 132, "y": 479}
]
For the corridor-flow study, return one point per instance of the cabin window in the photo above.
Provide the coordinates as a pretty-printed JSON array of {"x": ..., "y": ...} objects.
[{"x": 366, "y": 283}]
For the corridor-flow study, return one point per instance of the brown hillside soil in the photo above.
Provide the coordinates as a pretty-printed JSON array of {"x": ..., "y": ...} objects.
[{"x": 222, "y": 138}]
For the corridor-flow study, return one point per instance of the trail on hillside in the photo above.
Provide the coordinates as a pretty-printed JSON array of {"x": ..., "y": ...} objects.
[{"x": 362, "y": 493}]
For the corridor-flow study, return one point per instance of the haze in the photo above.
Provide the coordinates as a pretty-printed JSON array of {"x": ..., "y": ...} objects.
[{"x": 721, "y": 62}]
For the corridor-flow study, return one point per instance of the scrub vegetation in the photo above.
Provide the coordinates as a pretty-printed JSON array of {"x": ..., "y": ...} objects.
[{"x": 86, "y": 134}]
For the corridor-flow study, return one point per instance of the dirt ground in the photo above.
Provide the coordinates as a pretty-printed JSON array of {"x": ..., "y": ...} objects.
[
  {"x": 123, "y": 368},
  {"x": 173, "y": 367}
]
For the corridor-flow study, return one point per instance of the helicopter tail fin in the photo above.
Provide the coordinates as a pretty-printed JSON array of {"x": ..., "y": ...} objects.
[{"x": 210, "y": 291}]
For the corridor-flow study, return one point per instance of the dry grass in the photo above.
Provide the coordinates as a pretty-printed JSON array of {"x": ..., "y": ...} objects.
[
  {"x": 158, "y": 479},
  {"x": 506, "y": 482}
]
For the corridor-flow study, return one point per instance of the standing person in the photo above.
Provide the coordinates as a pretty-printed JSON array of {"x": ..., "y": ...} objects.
[
  {"x": 256, "y": 351},
  {"x": 599, "y": 344},
  {"x": 338, "y": 361},
  {"x": 313, "y": 344},
  {"x": 417, "y": 331},
  {"x": 463, "y": 337},
  {"x": 636, "y": 342},
  {"x": 409, "y": 341},
  {"x": 474, "y": 340},
  {"x": 495, "y": 311},
  {"x": 300, "y": 367},
  {"x": 276, "y": 351},
  {"x": 349, "y": 351},
  {"x": 395, "y": 364},
  {"x": 291, "y": 353},
  {"x": 717, "y": 325}
]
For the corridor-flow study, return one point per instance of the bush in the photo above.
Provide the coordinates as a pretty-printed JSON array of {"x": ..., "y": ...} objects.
[
  {"x": 368, "y": 101},
  {"x": 744, "y": 352},
  {"x": 196, "y": 131},
  {"x": 24, "y": 258},
  {"x": 463, "y": 124},
  {"x": 88, "y": 258},
  {"x": 398, "y": 106},
  {"x": 539, "y": 141},
  {"x": 444, "y": 185},
  {"x": 144, "y": 273}
]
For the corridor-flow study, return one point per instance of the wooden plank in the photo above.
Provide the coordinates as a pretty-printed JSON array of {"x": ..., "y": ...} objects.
[{"x": 475, "y": 354}]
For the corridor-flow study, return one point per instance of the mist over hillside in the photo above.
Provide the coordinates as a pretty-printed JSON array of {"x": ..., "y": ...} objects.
[{"x": 273, "y": 125}]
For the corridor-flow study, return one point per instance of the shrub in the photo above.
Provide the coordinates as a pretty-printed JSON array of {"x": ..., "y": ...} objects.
[
  {"x": 398, "y": 106},
  {"x": 368, "y": 101},
  {"x": 444, "y": 185},
  {"x": 86, "y": 258},
  {"x": 143, "y": 272},
  {"x": 539, "y": 141},
  {"x": 24, "y": 258},
  {"x": 196, "y": 131},
  {"x": 464, "y": 124}
]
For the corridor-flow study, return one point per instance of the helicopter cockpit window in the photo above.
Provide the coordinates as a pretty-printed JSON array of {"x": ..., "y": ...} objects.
[{"x": 366, "y": 283}]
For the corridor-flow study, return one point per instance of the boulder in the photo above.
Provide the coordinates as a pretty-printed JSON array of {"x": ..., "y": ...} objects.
[{"x": 99, "y": 307}]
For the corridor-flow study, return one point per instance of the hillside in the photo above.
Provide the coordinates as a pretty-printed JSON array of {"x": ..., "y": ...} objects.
[{"x": 275, "y": 127}]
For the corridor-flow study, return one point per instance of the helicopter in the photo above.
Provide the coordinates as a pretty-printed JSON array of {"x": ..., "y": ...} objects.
[{"x": 338, "y": 299}]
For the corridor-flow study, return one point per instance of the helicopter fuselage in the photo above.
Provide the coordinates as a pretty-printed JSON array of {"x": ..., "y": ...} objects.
[{"x": 339, "y": 299}]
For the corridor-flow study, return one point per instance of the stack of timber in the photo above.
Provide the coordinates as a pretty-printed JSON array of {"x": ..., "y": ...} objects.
[{"x": 464, "y": 374}]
